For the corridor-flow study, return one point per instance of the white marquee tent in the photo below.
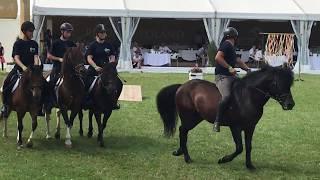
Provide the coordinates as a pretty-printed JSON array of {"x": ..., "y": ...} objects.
[{"x": 216, "y": 15}]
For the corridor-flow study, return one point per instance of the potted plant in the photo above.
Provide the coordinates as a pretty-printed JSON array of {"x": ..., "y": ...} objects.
[{"x": 195, "y": 73}]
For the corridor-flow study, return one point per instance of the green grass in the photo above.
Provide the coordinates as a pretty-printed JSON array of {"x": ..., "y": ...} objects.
[{"x": 286, "y": 145}]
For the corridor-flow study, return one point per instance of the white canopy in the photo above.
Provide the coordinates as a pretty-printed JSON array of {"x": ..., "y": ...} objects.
[
  {"x": 79, "y": 8},
  {"x": 258, "y": 9},
  {"x": 229, "y": 9},
  {"x": 170, "y": 8},
  {"x": 311, "y": 8}
]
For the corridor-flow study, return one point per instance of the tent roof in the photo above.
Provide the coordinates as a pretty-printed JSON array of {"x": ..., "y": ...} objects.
[
  {"x": 79, "y": 8},
  {"x": 311, "y": 8},
  {"x": 170, "y": 8},
  {"x": 233, "y": 9},
  {"x": 258, "y": 9}
]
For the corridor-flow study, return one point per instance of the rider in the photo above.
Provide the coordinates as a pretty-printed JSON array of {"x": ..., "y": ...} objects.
[
  {"x": 99, "y": 53},
  {"x": 24, "y": 54},
  {"x": 57, "y": 52},
  {"x": 225, "y": 74}
]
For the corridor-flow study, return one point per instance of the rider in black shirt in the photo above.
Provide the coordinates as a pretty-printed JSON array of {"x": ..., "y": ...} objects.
[
  {"x": 225, "y": 74},
  {"x": 25, "y": 54},
  {"x": 58, "y": 50},
  {"x": 99, "y": 53}
]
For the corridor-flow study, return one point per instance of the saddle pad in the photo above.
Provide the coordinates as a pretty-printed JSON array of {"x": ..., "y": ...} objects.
[
  {"x": 92, "y": 84},
  {"x": 16, "y": 85}
]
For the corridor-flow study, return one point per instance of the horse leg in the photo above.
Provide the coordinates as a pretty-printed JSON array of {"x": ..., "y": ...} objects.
[
  {"x": 97, "y": 115},
  {"x": 48, "y": 118},
  {"x": 20, "y": 128},
  {"x": 248, "y": 139},
  {"x": 80, "y": 114},
  {"x": 237, "y": 138},
  {"x": 68, "y": 142},
  {"x": 90, "y": 129},
  {"x": 34, "y": 127},
  {"x": 58, "y": 115},
  {"x": 104, "y": 125},
  {"x": 5, "y": 126}
]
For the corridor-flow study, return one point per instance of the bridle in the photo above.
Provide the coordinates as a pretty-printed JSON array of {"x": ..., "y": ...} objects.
[{"x": 279, "y": 97}]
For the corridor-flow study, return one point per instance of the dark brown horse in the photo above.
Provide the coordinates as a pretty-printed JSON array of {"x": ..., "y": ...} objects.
[
  {"x": 70, "y": 91},
  {"x": 105, "y": 94},
  {"x": 197, "y": 100},
  {"x": 27, "y": 97}
]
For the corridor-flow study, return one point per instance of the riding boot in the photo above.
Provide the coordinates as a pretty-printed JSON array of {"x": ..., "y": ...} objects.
[{"x": 223, "y": 105}]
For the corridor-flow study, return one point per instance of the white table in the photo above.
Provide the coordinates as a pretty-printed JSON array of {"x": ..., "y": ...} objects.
[
  {"x": 156, "y": 59},
  {"x": 276, "y": 60},
  {"x": 188, "y": 55},
  {"x": 244, "y": 55},
  {"x": 314, "y": 62}
]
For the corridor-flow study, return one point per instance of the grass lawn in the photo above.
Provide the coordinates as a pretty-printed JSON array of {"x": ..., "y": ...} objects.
[{"x": 286, "y": 145}]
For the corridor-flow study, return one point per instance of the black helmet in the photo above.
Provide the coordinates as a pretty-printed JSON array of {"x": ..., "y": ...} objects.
[
  {"x": 27, "y": 26},
  {"x": 230, "y": 32},
  {"x": 66, "y": 27},
  {"x": 100, "y": 28}
]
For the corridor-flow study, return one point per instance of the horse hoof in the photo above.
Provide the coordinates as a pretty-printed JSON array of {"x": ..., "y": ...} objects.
[
  {"x": 188, "y": 160},
  {"x": 5, "y": 136},
  {"x": 81, "y": 133},
  {"x": 89, "y": 134},
  {"x": 57, "y": 135},
  {"x": 177, "y": 153},
  {"x": 29, "y": 144},
  {"x": 251, "y": 167},
  {"x": 101, "y": 144},
  {"x": 19, "y": 146},
  {"x": 68, "y": 144},
  {"x": 48, "y": 137}
]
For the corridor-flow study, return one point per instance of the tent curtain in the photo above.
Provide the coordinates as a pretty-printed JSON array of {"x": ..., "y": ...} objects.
[
  {"x": 38, "y": 22},
  {"x": 214, "y": 28},
  {"x": 125, "y": 28},
  {"x": 302, "y": 30}
]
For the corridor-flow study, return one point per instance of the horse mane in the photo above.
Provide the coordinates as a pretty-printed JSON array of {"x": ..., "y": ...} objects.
[
  {"x": 253, "y": 78},
  {"x": 35, "y": 69}
]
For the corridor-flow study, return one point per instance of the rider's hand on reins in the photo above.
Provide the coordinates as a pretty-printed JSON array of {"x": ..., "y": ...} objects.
[
  {"x": 24, "y": 68},
  {"x": 232, "y": 70}
]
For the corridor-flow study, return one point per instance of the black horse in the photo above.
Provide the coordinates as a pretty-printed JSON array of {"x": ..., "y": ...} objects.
[
  {"x": 197, "y": 100},
  {"x": 104, "y": 95}
]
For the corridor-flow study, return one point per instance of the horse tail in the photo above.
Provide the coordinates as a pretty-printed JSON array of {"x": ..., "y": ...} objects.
[{"x": 166, "y": 105}]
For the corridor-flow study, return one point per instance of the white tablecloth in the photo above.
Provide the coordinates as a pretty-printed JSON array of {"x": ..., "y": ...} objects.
[
  {"x": 156, "y": 59},
  {"x": 244, "y": 55},
  {"x": 188, "y": 55},
  {"x": 276, "y": 60},
  {"x": 314, "y": 62}
]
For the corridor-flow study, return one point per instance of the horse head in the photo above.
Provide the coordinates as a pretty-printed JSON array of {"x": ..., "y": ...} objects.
[
  {"x": 33, "y": 80},
  {"x": 73, "y": 61},
  {"x": 109, "y": 79}
]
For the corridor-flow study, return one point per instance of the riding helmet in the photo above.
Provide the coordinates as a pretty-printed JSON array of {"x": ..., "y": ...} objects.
[
  {"x": 66, "y": 27},
  {"x": 230, "y": 32},
  {"x": 100, "y": 28}
]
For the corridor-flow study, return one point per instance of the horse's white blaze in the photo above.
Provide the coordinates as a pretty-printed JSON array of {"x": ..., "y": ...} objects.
[{"x": 5, "y": 127}]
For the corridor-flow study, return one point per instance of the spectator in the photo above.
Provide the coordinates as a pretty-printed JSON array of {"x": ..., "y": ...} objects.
[
  {"x": 2, "y": 60},
  {"x": 136, "y": 56}
]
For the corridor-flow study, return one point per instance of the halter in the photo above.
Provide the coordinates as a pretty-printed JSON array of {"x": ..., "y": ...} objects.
[{"x": 280, "y": 98}]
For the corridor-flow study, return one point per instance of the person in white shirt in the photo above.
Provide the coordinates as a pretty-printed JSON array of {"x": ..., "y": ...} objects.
[
  {"x": 136, "y": 56},
  {"x": 164, "y": 49},
  {"x": 202, "y": 54},
  {"x": 252, "y": 53}
]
